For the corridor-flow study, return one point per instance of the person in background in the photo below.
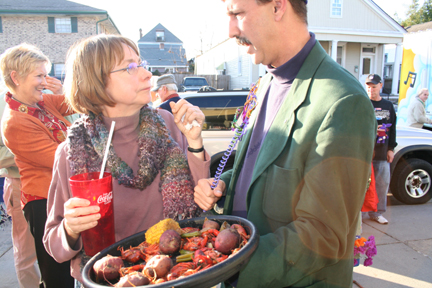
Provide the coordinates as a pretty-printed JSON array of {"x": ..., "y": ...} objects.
[
  {"x": 154, "y": 160},
  {"x": 300, "y": 171},
  {"x": 417, "y": 110},
  {"x": 166, "y": 89},
  {"x": 33, "y": 125},
  {"x": 24, "y": 252},
  {"x": 383, "y": 151}
]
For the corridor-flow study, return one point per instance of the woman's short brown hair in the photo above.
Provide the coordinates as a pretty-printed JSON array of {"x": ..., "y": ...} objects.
[
  {"x": 88, "y": 67},
  {"x": 24, "y": 59}
]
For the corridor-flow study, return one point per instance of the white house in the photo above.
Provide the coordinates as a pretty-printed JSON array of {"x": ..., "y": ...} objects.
[{"x": 353, "y": 32}]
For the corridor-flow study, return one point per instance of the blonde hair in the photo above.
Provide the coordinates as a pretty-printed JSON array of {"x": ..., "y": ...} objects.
[
  {"x": 23, "y": 59},
  {"x": 88, "y": 67}
]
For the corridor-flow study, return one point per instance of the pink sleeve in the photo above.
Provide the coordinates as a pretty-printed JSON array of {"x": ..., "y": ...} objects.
[
  {"x": 199, "y": 169},
  {"x": 54, "y": 239}
]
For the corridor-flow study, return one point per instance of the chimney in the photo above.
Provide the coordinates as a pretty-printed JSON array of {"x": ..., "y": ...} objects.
[{"x": 140, "y": 33}]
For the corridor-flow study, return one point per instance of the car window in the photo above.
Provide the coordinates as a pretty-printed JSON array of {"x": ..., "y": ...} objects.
[
  {"x": 195, "y": 82},
  {"x": 218, "y": 110}
]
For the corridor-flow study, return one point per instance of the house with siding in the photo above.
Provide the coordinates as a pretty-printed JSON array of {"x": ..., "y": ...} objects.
[
  {"x": 353, "y": 32},
  {"x": 51, "y": 25},
  {"x": 163, "y": 51}
]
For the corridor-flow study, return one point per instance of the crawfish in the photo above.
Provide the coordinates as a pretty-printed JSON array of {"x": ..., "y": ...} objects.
[
  {"x": 148, "y": 251},
  {"x": 214, "y": 255},
  {"x": 133, "y": 254},
  {"x": 126, "y": 270},
  {"x": 182, "y": 269},
  {"x": 195, "y": 243}
]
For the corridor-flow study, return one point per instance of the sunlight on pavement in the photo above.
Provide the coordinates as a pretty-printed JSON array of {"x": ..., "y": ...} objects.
[{"x": 391, "y": 277}]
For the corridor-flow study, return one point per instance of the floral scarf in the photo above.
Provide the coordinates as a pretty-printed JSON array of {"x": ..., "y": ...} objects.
[{"x": 158, "y": 151}]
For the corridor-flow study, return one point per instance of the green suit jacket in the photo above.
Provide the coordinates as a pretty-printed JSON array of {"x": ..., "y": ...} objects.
[{"x": 309, "y": 180}]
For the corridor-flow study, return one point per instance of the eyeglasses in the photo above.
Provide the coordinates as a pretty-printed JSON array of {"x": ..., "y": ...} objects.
[{"x": 132, "y": 68}]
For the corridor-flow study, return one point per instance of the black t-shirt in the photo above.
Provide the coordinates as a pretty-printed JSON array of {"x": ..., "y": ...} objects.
[{"x": 385, "y": 114}]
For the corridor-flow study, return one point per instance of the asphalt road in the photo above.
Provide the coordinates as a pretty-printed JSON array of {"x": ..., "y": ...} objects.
[{"x": 404, "y": 247}]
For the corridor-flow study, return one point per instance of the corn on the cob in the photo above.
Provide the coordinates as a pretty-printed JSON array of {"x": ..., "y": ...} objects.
[{"x": 154, "y": 233}]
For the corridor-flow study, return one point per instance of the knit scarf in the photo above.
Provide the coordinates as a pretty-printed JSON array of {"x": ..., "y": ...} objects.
[{"x": 158, "y": 152}]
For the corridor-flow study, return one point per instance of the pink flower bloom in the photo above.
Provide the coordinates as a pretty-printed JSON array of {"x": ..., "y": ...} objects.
[{"x": 367, "y": 262}]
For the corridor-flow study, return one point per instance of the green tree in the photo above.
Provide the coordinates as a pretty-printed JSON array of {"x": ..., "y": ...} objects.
[
  {"x": 156, "y": 73},
  {"x": 417, "y": 14},
  {"x": 426, "y": 11}
]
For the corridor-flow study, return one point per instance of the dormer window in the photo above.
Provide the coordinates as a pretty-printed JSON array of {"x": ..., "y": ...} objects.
[
  {"x": 336, "y": 9},
  {"x": 160, "y": 35}
]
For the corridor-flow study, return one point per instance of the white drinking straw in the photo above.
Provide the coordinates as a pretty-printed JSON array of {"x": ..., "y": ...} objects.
[{"x": 107, "y": 149}]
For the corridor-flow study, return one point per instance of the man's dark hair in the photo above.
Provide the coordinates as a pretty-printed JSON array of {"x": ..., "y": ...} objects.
[{"x": 299, "y": 7}]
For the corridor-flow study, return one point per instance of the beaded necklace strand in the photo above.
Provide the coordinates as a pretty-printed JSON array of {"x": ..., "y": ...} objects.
[{"x": 240, "y": 130}]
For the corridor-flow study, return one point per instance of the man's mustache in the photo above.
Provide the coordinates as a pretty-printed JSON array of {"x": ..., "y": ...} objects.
[{"x": 243, "y": 41}]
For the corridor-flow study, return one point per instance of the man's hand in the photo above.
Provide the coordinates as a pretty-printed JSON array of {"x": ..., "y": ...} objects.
[{"x": 206, "y": 197}]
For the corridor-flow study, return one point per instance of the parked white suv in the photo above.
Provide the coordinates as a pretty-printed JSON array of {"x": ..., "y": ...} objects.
[{"x": 411, "y": 169}]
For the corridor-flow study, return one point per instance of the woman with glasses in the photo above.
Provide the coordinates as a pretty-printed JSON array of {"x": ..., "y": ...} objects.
[
  {"x": 33, "y": 125},
  {"x": 154, "y": 158}
]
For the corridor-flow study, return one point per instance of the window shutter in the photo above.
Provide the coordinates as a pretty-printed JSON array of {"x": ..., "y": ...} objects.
[
  {"x": 51, "y": 73},
  {"x": 1, "y": 26},
  {"x": 74, "y": 23},
  {"x": 51, "y": 25}
]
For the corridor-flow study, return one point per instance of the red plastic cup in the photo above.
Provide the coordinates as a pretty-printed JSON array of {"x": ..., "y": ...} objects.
[{"x": 98, "y": 192}]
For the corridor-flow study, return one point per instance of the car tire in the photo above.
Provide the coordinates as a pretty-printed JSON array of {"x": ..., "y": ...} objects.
[{"x": 411, "y": 181}]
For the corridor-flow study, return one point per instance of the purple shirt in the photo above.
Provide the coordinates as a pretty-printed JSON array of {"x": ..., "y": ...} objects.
[{"x": 283, "y": 77}]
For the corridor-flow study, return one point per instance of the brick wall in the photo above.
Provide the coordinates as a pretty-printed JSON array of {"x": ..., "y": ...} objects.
[{"x": 34, "y": 30}]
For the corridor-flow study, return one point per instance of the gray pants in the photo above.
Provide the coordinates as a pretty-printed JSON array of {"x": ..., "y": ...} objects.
[{"x": 382, "y": 182}]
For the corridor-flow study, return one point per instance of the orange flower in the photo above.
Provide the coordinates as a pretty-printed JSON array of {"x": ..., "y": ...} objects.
[{"x": 360, "y": 242}]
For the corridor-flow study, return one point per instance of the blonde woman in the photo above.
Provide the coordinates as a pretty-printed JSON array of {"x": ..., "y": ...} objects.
[{"x": 33, "y": 125}]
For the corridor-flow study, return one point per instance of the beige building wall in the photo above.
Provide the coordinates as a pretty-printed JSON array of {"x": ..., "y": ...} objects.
[
  {"x": 355, "y": 15},
  {"x": 353, "y": 58}
]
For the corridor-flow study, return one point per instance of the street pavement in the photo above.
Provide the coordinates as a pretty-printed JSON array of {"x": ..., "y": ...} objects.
[{"x": 404, "y": 247}]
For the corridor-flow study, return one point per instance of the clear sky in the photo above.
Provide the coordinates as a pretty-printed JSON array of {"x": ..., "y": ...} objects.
[
  {"x": 200, "y": 24},
  {"x": 190, "y": 20},
  {"x": 396, "y": 6}
]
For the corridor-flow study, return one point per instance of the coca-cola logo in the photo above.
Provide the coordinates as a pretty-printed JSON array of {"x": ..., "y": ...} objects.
[{"x": 105, "y": 198}]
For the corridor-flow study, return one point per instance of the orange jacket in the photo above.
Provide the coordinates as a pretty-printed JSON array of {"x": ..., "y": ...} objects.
[{"x": 33, "y": 144}]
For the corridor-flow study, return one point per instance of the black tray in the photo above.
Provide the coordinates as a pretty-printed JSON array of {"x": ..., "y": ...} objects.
[{"x": 207, "y": 278}]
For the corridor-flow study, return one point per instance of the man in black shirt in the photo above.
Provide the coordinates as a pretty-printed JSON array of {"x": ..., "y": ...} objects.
[{"x": 386, "y": 142}]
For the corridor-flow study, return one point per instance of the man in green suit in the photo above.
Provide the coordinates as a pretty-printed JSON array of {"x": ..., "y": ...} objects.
[{"x": 301, "y": 169}]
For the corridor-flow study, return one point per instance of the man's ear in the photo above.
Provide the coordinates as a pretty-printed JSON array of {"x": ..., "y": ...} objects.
[{"x": 279, "y": 8}]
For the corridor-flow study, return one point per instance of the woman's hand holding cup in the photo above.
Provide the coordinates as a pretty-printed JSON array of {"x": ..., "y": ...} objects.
[{"x": 78, "y": 217}]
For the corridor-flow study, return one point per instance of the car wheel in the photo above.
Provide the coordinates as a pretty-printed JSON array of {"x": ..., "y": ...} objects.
[{"x": 411, "y": 181}]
